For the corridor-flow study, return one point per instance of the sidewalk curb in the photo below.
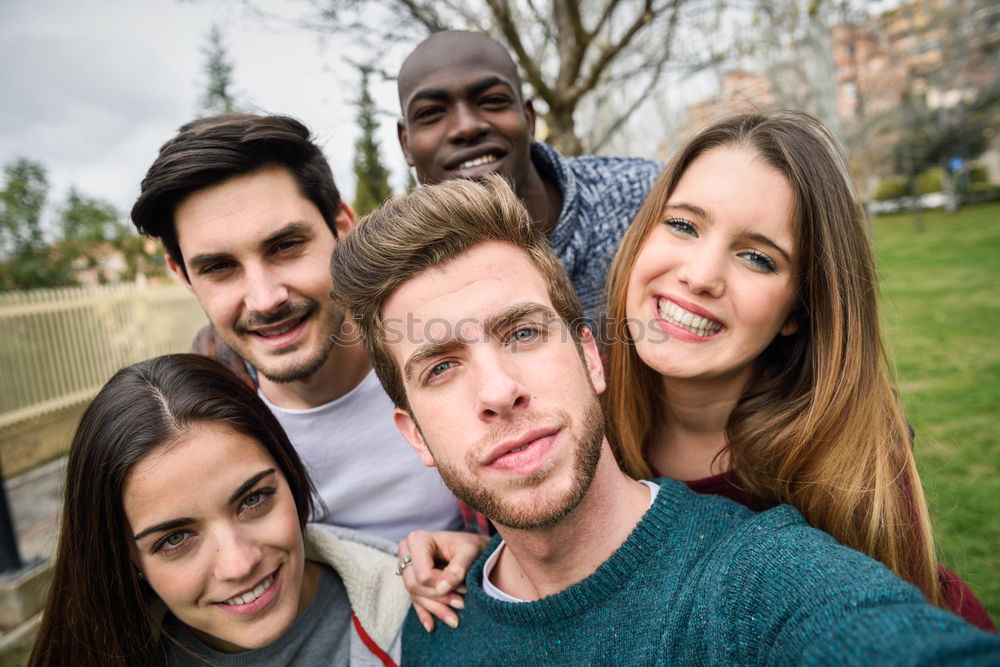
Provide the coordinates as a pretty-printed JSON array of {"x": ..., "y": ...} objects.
[
  {"x": 23, "y": 593},
  {"x": 21, "y": 633}
]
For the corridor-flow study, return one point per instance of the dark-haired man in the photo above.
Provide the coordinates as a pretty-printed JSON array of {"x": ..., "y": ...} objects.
[
  {"x": 249, "y": 214},
  {"x": 590, "y": 566},
  {"x": 464, "y": 115}
]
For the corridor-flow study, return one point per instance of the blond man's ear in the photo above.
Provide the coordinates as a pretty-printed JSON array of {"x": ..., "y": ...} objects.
[{"x": 408, "y": 427}]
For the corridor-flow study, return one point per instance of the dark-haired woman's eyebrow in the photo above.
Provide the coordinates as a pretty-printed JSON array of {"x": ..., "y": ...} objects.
[
  {"x": 184, "y": 521},
  {"x": 249, "y": 484},
  {"x": 163, "y": 527}
]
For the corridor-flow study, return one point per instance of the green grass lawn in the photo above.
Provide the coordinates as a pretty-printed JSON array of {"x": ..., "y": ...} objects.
[{"x": 941, "y": 309}]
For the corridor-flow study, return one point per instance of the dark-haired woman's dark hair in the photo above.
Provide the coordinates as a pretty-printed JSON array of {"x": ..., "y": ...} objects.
[
  {"x": 208, "y": 151},
  {"x": 99, "y": 611}
]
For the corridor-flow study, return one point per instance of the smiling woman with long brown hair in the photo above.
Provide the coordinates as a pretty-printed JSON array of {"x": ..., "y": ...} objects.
[
  {"x": 184, "y": 538},
  {"x": 744, "y": 352}
]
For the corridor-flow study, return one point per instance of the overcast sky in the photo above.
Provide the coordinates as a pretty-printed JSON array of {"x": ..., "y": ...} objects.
[{"x": 92, "y": 88}]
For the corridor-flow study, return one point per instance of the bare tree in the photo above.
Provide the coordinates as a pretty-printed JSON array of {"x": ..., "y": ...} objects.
[
  {"x": 825, "y": 57},
  {"x": 570, "y": 52},
  {"x": 794, "y": 51},
  {"x": 950, "y": 110},
  {"x": 869, "y": 89}
]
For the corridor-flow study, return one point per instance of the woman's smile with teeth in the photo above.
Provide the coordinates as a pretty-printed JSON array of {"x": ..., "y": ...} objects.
[
  {"x": 250, "y": 596},
  {"x": 696, "y": 324}
]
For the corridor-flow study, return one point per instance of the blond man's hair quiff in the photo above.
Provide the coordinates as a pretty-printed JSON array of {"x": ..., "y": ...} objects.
[{"x": 411, "y": 233}]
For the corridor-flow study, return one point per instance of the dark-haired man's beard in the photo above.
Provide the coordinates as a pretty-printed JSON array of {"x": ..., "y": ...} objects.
[{"x": 301, "y": 359}]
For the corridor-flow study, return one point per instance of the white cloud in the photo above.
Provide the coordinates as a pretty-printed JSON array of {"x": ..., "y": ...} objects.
[{"x": 92, "y": 89}]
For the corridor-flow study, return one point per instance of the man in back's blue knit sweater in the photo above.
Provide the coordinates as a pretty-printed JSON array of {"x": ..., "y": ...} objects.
[{"x": 498, "y": 391}]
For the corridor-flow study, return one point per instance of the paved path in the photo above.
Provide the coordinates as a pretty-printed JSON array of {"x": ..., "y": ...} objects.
[{"x": 35, "y": 500}]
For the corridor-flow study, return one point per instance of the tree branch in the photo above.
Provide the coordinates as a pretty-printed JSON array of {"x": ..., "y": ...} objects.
[
  {"x": 651, "y": 85},
  {"x": 541, "y": 20},
  {"x": 424, "y": 14},
  {"x": 609, "y": 9},
  {"x": 505, "y": 23},
  {"x": 572, "y": 42},
  {"x": 608, "y": 54},
  {"x": 571, "y": 8}
]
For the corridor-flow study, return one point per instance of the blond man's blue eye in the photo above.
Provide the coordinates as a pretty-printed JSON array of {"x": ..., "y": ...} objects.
[{"x": 441, "y": 368}]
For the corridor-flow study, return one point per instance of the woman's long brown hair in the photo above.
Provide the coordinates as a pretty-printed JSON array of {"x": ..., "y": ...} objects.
[
  {"x": 99, "y": 612},
  {"x": 819, "y": 427}
]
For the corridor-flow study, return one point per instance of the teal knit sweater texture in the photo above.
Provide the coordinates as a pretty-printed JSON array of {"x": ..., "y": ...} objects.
[{"x": 704, "y": 581}]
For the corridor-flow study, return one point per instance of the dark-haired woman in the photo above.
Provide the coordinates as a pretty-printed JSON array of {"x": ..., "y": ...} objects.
[{"x": 184, "y": 538}]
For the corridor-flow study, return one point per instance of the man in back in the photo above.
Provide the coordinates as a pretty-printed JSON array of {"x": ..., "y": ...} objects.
[
  {"x": 500, "y": 393},
  {"x": 464, "y": 115},
  {"x": 249, "y": 214}
]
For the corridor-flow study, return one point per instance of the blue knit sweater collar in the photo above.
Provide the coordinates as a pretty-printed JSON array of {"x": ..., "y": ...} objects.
[{"x": 553, "y": 166}]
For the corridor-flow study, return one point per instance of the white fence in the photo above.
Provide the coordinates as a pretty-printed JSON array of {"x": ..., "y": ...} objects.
[{"x": 59, "y": 346}]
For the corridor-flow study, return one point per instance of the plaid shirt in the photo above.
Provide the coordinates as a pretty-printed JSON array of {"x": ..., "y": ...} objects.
[{"x": 601, "y": 196}]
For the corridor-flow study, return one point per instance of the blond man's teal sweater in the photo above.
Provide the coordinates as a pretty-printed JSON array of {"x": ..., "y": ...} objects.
[{"x": 704, "y": 581}]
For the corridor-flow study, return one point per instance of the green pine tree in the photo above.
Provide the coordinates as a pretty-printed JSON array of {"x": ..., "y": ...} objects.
[
  {"x": 218, "y": 97},
  {"x": 371, "y": 176}
]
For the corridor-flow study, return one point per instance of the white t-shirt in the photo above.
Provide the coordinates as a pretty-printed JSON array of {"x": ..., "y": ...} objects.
[
  {"x": 366, "y": 473},
  {"x": 490, "y": 589}
]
